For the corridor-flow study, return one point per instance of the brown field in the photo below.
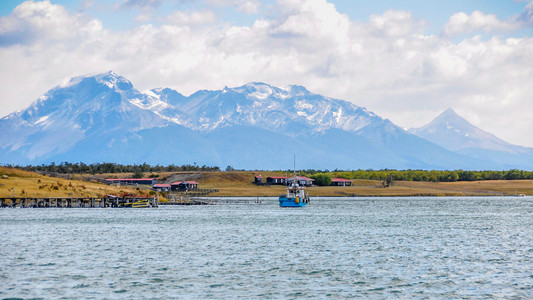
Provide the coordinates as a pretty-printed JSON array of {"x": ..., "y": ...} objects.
[
  {"x": 240, "y": 183},
  {"x": 29, "y": 184}
]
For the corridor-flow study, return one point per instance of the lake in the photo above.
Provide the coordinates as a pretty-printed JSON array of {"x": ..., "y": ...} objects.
[{"x": 469, "y": 247}]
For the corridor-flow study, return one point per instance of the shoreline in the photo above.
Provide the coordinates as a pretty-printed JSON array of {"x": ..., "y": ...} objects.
[{"x": 24, "y": 184}]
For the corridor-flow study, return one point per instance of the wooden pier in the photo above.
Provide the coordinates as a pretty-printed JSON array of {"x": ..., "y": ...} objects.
[
  {"x": 110, "y": 201},
  {"x": 187, "y": 200},
  {"x": 217, "y": 201}
]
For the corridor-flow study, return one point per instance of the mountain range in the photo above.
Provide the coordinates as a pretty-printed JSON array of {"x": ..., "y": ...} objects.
[{"x": 103, "y": 118}]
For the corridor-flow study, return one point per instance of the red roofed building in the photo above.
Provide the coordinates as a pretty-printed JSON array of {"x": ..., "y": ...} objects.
[
  {"x": 161, "y": 187},
  {"x": 258, "y": 179},
  {"x": 302, "y": 180},
  {"x": 340, "y": 182},
  {"x": 184, "y": 186},
  {"x": 282, "y": 180},
  {"x": 149, "y": 181}
]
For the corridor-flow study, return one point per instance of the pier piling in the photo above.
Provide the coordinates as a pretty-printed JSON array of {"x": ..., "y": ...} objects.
[{"x": 71, "y": 202}]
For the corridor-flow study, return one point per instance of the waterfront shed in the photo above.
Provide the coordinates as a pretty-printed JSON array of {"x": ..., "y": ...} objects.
[
  {"x": 277, "y": 180},
  {"x": 302, "y": 180},
  {"x": 161, "y": 187},
  {"x": 184, "y": 186},
  {"x": 340, "y": 182},
  {"x": 130, "y": 181}
]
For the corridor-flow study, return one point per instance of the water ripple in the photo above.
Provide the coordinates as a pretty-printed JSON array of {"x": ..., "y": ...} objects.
[{"x": 377, "y": 248}]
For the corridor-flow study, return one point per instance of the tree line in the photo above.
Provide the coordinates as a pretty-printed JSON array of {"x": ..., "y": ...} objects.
[
  {"x": 319, "y": 175},
  {"x": 421, "y": 175},
  {"x": 100, "y": 168}
]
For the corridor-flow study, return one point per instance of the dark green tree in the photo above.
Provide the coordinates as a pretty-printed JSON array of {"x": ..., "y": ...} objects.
[{"x": 322, "y": 180}]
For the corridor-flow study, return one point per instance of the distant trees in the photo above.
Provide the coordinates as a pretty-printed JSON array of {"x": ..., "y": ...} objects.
[
  {"x": 322, "y": 176},
  {"x": 99, "y": 168},
  {"x": 138, "y": 174},
  {"x": 388, "y": 181},
  {"x": 322, "y": 180},
  {"x": 387, "y": 176}
]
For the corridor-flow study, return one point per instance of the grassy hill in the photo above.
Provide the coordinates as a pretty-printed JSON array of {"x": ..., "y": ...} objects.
[
  {"x": 18, "y": 183},
  {"x": 240, "y": 184}
]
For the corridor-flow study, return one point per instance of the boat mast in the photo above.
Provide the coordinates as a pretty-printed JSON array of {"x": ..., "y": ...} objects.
[{"x": 294, "y": 171}]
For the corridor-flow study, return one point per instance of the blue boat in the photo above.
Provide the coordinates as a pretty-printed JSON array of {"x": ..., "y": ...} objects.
[{"x": 296, "y": 196}]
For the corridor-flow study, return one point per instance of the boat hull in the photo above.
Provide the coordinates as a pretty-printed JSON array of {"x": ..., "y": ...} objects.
[
  {"x": 291, "y": 202},
  {"x": 141, "y": 204}
]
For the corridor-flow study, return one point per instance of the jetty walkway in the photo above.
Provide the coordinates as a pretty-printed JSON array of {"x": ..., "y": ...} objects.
[
  {"x": 113, "y": 201},
  {"x": 210, "y": 201},
  {"x": 109, "y": 201}
]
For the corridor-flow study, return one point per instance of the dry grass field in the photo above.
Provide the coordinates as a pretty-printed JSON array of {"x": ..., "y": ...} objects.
[
  {"x": 18, "y": 183},
  {"x": 240, "y": 183}
]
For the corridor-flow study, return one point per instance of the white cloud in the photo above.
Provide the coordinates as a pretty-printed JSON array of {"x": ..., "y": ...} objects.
[
  {"x": 140, "y": 3},
  {"x": 86, "y": 4},
  {"x": 387, "y": 64},
  {"x": 245, "y": 6},
  {"x": 185, "y": 18},
  {"x": 526, "y": 17},
  {"x": 32, "y": 21},
  {"x": 463, "y": 23},
  {"x": 396, "y": 23}
]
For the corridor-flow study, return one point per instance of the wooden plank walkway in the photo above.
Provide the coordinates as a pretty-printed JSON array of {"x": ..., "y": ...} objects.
[
  {"x": 43, "y": 202},
  {"x": 211, "y": 201}
]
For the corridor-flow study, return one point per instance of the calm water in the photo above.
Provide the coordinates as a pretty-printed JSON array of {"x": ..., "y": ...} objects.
[{"x": 361, "y": 247}]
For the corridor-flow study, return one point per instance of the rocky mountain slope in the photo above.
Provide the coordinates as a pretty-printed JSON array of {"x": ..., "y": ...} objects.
[
  {"x": 453, "y": 132},
  {"x": 256, "y": 126}
]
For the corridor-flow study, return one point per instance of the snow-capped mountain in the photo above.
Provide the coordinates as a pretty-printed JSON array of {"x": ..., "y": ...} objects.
[
  {"x": 294, "y": 110},
  {"x": 453, "y": 132},
  {"x": 64, "y": 116},
  {"x": 255, "y": 126}
]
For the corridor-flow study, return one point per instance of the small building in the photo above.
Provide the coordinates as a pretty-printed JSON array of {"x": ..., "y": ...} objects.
[
  {"x": 184, "y": 186},
  {"x": 340, "y": 182},
  {"x": 161, "y": 187},
  {"x": 282, "y": 180},
  {"x": 277, "y": 180},
  {"x": 258, "y": 179},
  {"x": 302, "y": 180},
  {"x": 130, "y": 181}
]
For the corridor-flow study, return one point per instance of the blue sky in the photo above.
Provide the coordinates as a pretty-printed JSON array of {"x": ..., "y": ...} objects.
[
  {"x": 436, "y": 12},
  {"x": 404, "y": 60}
]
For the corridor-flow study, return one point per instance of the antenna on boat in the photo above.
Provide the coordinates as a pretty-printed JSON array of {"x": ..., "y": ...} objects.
[{"x": 294, "y": 171}]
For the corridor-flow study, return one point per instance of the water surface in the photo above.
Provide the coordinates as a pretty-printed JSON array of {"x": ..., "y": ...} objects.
[{"x": 340, "y": 248}]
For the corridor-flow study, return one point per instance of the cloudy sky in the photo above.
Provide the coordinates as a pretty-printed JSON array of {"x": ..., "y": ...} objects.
[{"x": 406, "y": 60}]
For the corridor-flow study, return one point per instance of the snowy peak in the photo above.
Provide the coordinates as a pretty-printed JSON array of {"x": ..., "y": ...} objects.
[
  {"x": 167, "y": 95},
  {"x": 298, "y": 91},
  {"x": 93, "y": 101},
  {"x": 86, "y": 101},
  {"x": 103, "y": 117},
  {"x": 453, "y": 122},
  {"x": 109, "y": 79},
  {"x": 453, "y": 132},
  {"x": 112, "y": 80},
  {"x": 257, "y": 104},
  {"x": 448, "y": 123}
]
